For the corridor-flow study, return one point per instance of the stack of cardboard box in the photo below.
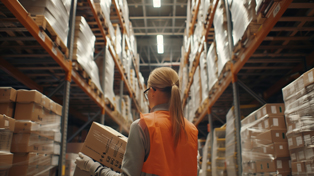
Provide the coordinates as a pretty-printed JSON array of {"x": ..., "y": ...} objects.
[
  {"x": 36, "y": 139},
  {"x": 264, "y": 142},
  {"x": 231, "y": 143},
  {"x": 219, "y": 152},
  {"x": 206, "y": 159},
  {"x": 299, "y": 102}
]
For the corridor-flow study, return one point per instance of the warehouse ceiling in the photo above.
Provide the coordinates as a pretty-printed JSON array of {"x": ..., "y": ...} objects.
[{"x": 169, "y": 21}]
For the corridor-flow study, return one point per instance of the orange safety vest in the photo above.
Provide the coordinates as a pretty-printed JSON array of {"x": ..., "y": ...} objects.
[{"x": 163, "y": 158}]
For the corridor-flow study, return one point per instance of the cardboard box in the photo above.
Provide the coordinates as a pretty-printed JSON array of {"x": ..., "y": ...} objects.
[
  {"x": 45, "y": 102},
  {"x": 309, "y": 153},
  {"x": 28, "y": 111},
  {"x": 25, "y": 126},
  {"x": 298, "y": 167},
  {"x": 105, "y": 145},
  {"x": 5, "y": 140},
  {"x": 29, "y": 96},
  {"x": 58, "y": 109},
  {"x": 6, "y": 160},
  {"x": 274, "y": 174},
  {"x": 7, "y": 109},
  {"x": 7, "y": 122},
  {"x": 308, "y": 77},
  {"x": 295, "y": 141},
  {"x": 28, "y": 159},
  {"x": 281, "y": 165},
  {"x": 74, "y": 147},
  {"x": 24, "y": 170},
  {"x": 249, "y": 167},
  {"x": 309, "y": 167},
  {"x": 275, "y": 150},
  {"x": 53, "y": 106},
  {"x": 273, "y": 122},
  {"x": 7, "y": 94},
  {"x": 271, "y": 109},
  {"x": 308, "y": 138},
  {"x": 31, "y": 143},
  {"x": 271, "y": 136}
]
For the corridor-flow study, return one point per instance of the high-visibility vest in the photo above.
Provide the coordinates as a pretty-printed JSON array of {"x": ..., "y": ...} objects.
[{"x": 163, "y": 158}]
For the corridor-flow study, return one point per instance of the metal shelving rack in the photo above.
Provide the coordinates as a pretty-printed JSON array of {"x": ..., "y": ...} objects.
[
  {"x": 265, "y": 35},
  {"x": 49, "y": 46}
]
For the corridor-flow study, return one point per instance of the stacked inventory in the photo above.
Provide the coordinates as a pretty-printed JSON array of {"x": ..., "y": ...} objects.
[
  {"x": 37, "y": 136},
  {"x": 7, "y": 124},
  {"x": 196, "y": 90},
  {"x": 243, "y": 18},
  {"x": 221, "y": 37},
  {"x": 83, "y": 50},
  {"x": 56, "y": 12},
  {"x": 299, "y": 100},
  {"x": 204, "y": 77},
  {"x": 212, "y": 66},
  {"x": 206, "y": 162},
  {"x": 219, "y": 152},
  {"x": 264, "y": 142},
  {"x": 128, "y": 113},
  {"x": 231, "y": 143}
]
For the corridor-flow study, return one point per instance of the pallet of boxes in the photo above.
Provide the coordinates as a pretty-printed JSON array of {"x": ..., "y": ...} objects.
[
  {"x": 219, "y": 152},
  {"x": 299, "y": 103},
  {"x": 7, "y": 124},
  {"x": 36, "y": 139},
  {"x": 264, "y": 142},
  {"x": 104, "y": 145}
]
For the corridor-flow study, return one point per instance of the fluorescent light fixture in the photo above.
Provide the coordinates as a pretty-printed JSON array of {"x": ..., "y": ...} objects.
[
  {"x": 160, "y": 49},
  {"x": 156, "y": 3},
  {"x": 160, "y": 44}
]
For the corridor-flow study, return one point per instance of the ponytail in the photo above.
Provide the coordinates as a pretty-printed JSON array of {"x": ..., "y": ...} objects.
[{"x": 176, "y": 114}]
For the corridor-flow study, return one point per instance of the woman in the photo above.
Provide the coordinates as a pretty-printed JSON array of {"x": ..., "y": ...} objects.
[{"x": 162, "y": 142}]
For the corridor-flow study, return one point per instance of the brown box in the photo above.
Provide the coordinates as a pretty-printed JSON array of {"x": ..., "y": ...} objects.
[
  {"x": 308, "y": 138},
  {"x": 274, "y": 122},
  {"x": 105, "y": 145},
  {"x": 6, "y": 160},
  {"x": 5, "y": 140},
  {"x": 275, "y": 150},
  {"x": 309, "y": 153},
  {"x": 29, "y": 159},
  {"x": 295, "y": 141},
  {"x": 45, "y": 102},
  {"x": 281, "y": 165},
  {"x": 249, "y": 167},
  {"x": 274, "y": 174},
  {"x": 7, "y": 122},
  {"x": 58, "y": 109},
  {"x": 28, "y": 111},
  {"x": 7, "y": 109},
  {"x": 308, "y": 77},
  {"x": 31, "y": 143},
  {"x": 271, "y": 136},
  {"x": 247, "y": 144},
  {"x": 29, "y": 96},
  {"x": 25, "y": 126},
  {"x": 53, "y": 106},
  {"x": 309, "y": 167},
  {"x": 7, "y": 94},
  {"x": 23, "y": 170},
  {"x": 298, "y": 167},
  {"x": 271, "y": 109},
  {"x": 74, "y": 147}
]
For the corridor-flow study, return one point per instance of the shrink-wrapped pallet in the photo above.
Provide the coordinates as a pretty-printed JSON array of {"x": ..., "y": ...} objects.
[
  {"x": 204, "y": 76},
  {"x": 206, "y": 166},
  {"x": 212, "y": 66},
  {"x": 118, "y": 40},
  {"x": 197, "y": 89},
  {"x": 218, "y": 152}
]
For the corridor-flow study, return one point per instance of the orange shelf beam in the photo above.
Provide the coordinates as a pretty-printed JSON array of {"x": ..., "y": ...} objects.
[
  {"x": 119, "y": 16},
  {"x": 192, "y": 24},
  {"x": 259, "y": 37},
  {"x": 211, "y": 19},
  {"x": 26, "y": 20}
]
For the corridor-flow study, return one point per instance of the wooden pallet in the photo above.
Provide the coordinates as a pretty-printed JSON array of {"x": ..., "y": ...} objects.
[{"x": 44, "y": 25}]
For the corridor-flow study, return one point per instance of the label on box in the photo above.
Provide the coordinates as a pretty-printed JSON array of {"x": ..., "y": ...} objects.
[
  {"x": 308, "y": 168},
  {"x": 275, "y": 122},
  {"x": 307, "y": 139},
  {"x": 266, "y": 124},
  {"x": 310, "y": 77},
  {"x": 279, "y": 164},
  {"x": 299, "y": 140},
  {"x": 293, "y": 156},
  {"x": 276, "y": 10},
  {"x": 301, "y": 155},
  {"x": 299, "y": 168},
  {"x": 273, "y": 109},
  {"x": 290, "y": 142},
  {"x": 280, "y": 147},
  {"x": 277, "y": 135},
  {"x": 290, "y": 128},
  {"x": 6, "y": 123},
  {"x": 264, "y": 111},
  {"x": 264, "y": 149}
]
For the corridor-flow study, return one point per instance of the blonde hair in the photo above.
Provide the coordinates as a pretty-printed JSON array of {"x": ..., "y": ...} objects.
[{"x": 167, "y": 80}]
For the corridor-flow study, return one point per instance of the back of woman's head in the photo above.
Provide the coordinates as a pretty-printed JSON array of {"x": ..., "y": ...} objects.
[{"x": 167, "y": 80}]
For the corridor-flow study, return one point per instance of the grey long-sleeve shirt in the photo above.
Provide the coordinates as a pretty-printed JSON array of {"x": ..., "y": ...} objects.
[{"x": 136, "y": 153}]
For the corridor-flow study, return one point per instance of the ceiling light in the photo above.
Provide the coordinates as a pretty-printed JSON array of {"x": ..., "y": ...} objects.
[
  {"x": 160, "y": 49},
  {"x": 156, "y": 3},
  {"x": 160, "y": 44}
]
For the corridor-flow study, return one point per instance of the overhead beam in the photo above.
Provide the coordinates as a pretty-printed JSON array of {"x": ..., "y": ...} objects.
[
  {"x": 144, "y": 15},
  {"x": 174, "y": 14},
  {"x": 156, "y": 17},
  {"x": 161, "y": 64},
  {"x": 182, "y": 4},
  {"x": 155, "y": 33},
  {"x": 296, "y": 18}
]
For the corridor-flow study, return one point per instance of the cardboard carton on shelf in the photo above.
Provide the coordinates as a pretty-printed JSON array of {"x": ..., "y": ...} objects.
[
  {"x": 6, "y": 160},
  {"x": 7, "y": 109},
  {"x": 295, "y": 141},
  {"x": 105, "y": 145},
  {"x": 277, "y": 165},
  {"x": 275, "y": 150},
  {"x": 29, "y": 96},
  {"x": 28, "y": 111},
  {"x": 7, "y": 125},
  {"x": 271, "y": 109},
  {"x": 273, "y": 122},
  {"x": 298, "y": 167},
  {"x": 270, "y": 136},
  {"x": 7, "y": 94}
]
